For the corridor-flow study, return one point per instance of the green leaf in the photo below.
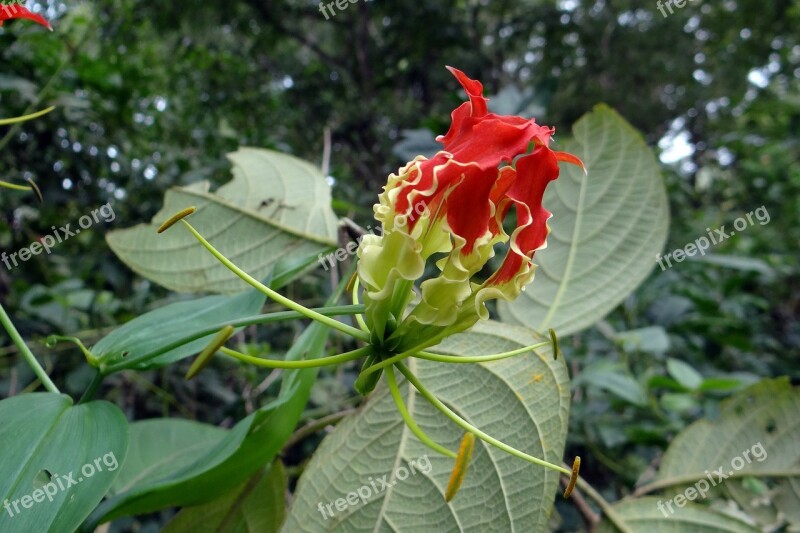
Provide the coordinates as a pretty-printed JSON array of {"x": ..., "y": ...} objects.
[
  {"x": 45, "y": 443},
  {"x": 606, "y": 228},
  {"x": 679, "y": 403},
  {"x": 755, "y": 435},
  {"x": 521, "y": 401},
  {"x": 272, "y": 220},
  {"x": 257, "y": 506},
  {"x": 214, "y": 468},
  {"x": 610, "y": 377},
  {"x": 684, "y": 373},
  {"x": 652, "y": 339},
  {"x": 129, "y": 345},
  {"x": 162, "y": 446},
  {"x": 719, "y": 384},
  {"x": 643, "y": 514}
]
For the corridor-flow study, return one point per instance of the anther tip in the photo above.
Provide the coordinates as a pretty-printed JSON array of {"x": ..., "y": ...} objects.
[
  {"x": 576, "y": 466},
  {"x": 209, "y": 351},
  {"x": 175, "y": 218}
]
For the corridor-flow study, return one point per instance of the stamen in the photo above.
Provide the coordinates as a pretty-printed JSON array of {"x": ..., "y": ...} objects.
[
  {"x": 410, "y": 422},
  {"x": 554, "y": 340},
  {"x": 436, "y": 402},
  {"x": 35, "y": 189},
  {"x": 576, "y": 466},
  {"x": 244, "y": 276},
  {"x": 461, "y": 466},
  {"x": 442, "y": 358},
  {"x": 305, "y": 363},
  {"x": 175, "y": 218},
  {"x": 209, "y": 351}
]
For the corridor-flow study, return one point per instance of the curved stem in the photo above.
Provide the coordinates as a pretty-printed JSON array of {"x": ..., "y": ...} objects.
[
  {"x": 476, "y": 358},
  {"x": 90, "y": 358},
  {"x": 410, "y": 422},
  {"x": 286, "y": 302},
  {"x": 26, "y": 352},
  {"x": 359, "y": 317},
  {"x": 12, "y": 186},
  {"x": 23, "y": 118},
  {"x": 436, "y": 402},
  {"x": 305, "y": 363},
  {"x": 403, "y": 355},
  {"x": 237, "y": 323}
]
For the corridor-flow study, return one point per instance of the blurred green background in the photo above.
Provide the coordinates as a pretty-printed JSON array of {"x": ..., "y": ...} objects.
[{"x": 154, "y": 94}]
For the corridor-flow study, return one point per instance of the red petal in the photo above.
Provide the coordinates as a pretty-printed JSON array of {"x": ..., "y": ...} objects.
[
  {"x": 564, "y": 157},
  {"x": 467, "y": 205},
  {"x": 474, "y": 90},
  {"x": 534, "y": 172},
  {"x": 14, "y": 11}
]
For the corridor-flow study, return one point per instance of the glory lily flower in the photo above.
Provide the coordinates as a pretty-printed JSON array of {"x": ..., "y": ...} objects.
[
  {"x": 17, "y": 11},
  {"x": 451, "y": 210}
]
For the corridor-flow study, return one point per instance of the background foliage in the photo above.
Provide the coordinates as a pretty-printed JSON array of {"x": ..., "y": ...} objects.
[{"x": 151, "y": 95}]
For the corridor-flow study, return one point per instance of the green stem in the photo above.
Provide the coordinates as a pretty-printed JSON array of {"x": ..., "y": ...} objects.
[
  {"x": 606, "y": 507},
  {"x": 26, "y": 352},
  {"x": 91, "y": 390},
  {"x": 23, "y": 118},
  {"x": 436, "y": 402},
  {"x": 237, "y": 323},
  {"x": 359, "y": 317},
  {"x": 410, "y": 422},
  {"x": 90, "y": 358},
  {"x": 286, "y": 302},
  {"x": 12, "y": 186},
  {"x": 401, "y": 356},
  {"x": 441, "y": 358},
  {"x": 305, "y": 363}
]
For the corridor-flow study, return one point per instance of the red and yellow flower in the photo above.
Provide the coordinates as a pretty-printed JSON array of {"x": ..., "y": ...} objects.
[
  {"x": 451, "y": 208},
  {"x": 17, "y": 11}
]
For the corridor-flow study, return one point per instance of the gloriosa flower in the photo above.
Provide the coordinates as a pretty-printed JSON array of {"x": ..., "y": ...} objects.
[
  {"x": 450, "y": 210},
  {"x": 17, "y": 11}
]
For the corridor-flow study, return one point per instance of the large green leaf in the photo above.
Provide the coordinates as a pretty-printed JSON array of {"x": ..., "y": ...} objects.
[
  {"x": 522, "y": 401},
  {"x": 58, "y": 460},
  {"x": 213, "y": 466},
  {"x": 132, "y": 344},
  {"x": 607, "y": 227},
  {"x": 272, "y": 219},
  {"x": 754, "y": 436},
  {"x": 257, "y": 506},
  {"x": 161, "y": 446},
  {"x": 644, "y": 514}
]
